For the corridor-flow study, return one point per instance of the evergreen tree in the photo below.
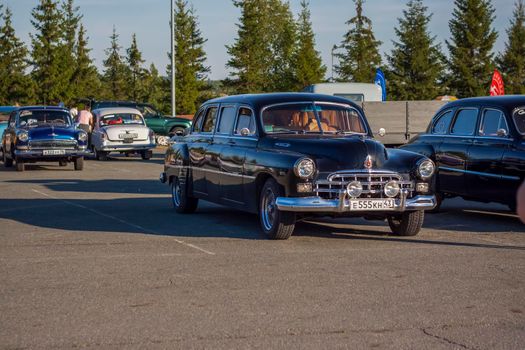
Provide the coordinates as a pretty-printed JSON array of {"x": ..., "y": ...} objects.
[
  {"x": 153, "y": 91},
  {"x": 471, "y": 58},
  {"x": 46, "y": 52},
  {"x": 250, "y": 53},
  {"x": 361, "y": 55},
  {"x": 85, "y": 79},
  {"x": 69, "y": 25},
  {"x": 135, "y": 73},
  {"x": 512, "y": 61},
  {"x": 114, "y": 76},
  {"x": 416, "y": 63},
  {"x": 309, "y": 68},
  {"x": 190, "y": 71},
  {"x": 16, "y": 87}
]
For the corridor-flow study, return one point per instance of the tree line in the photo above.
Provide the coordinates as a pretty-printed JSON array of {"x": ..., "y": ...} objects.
[{"x": 273, "y": 51}]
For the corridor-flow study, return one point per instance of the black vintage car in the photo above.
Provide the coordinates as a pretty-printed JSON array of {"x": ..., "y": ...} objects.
[
  {"x": 288, "y": 156},
  {"x": 479, "y": 148},
  {"x": 43, "y": 134}
]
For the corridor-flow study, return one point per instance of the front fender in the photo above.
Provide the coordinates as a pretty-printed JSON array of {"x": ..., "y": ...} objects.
[{"x": 176, "y": 160}]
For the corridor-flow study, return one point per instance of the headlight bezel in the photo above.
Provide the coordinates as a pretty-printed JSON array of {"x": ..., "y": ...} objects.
[
  {"x": 300, "y": 165},
  {"x": 23, "y": 136},
  {"x": 423, "y": 167}
]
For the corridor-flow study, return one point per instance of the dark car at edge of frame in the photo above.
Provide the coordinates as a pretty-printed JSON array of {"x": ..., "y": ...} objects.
[
  {"x": 478, "y": 146},
  {"x": 290, "y": 156}
]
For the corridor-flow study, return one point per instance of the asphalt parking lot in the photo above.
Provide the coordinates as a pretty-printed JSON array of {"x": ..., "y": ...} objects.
[{"x": 99, "y": 259}]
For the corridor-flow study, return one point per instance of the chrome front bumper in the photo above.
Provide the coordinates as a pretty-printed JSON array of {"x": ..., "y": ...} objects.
[
  {"x": 317, "y": 204},
  {"x": 36, "y": 154}
]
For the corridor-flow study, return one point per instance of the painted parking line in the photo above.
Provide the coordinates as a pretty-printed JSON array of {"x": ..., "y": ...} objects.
[{"x": 130, "y": 224}]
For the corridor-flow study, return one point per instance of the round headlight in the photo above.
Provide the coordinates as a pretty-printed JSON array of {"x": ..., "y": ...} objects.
[
  {"x": 354, "y": 189},
  {"x": 23, "y": 136},
  {"x": 391, "y": 189},
  {"x": 304, "y": 168},
  {"x": 426, "y": 169},
  {"x": 82, "y": 136}
]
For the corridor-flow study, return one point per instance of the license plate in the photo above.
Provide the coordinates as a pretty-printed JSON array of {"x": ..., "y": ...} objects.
[
  {"x": 53, "y": 152},
  {"x": 127, "y": 140},
  {"x": 372, "y": 204},
  {"x": 128, "y": 136}
]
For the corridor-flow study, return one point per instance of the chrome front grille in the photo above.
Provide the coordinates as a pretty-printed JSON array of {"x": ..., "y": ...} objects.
[
  {"x": 50, "y": 144},
  {"x": 373, "y": 184}
]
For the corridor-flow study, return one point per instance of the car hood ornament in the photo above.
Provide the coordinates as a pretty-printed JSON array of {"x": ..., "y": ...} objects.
[{"x": 368, "y": 162}]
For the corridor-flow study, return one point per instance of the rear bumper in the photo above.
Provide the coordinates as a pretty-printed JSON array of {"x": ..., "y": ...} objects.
[
  {"x": 127, "y": 147},
  {"x": 319, "y": 205}
]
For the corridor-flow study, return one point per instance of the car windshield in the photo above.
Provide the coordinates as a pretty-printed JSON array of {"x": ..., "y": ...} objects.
[
  {"x": 121, "y": 119},
  {"x": 33, "y": 118},
  {"x": 519, "y": 118},
  {"x": 310, "y": 118}
]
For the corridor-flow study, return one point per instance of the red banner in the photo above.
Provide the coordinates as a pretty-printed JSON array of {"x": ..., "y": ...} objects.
[{"x": 496, "y": 88}]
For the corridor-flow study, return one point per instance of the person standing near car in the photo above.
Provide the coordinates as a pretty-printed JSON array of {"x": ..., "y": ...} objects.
[{"x": 85, "y": 122}]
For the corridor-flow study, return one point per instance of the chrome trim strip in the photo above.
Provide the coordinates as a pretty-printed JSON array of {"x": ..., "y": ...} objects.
[
  {"x": 211, "y": 171},
  {"x": 503, "y": 177},
  {"x": 341, "y": 205}
]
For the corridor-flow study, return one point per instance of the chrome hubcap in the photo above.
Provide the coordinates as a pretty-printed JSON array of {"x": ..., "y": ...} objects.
[
  {"x": 176, "y": 193},
  {"x": 268, "y": 210}
]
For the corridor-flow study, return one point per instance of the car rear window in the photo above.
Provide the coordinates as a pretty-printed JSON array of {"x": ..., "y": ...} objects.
[
  {"x": 121, "y": 119},
  {"x": 519, "y": 119}
]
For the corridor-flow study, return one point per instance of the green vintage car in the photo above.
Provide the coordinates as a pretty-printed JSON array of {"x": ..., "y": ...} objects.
[{"x": 161, "y": 124}]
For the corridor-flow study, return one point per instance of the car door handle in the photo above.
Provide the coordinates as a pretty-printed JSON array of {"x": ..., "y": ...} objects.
[{"x": 231, "y": 142}]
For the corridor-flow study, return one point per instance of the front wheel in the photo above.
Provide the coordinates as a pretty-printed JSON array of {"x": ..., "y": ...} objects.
[
  {"x": 275, "y": 224},
  {"x": 79, "y": 163},
  {"x": 407, "y": 224},
  {"x": 181, "y": 201}
]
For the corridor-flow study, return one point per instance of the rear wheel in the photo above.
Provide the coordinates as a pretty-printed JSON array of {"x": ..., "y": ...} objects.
[
  {"x": 179, "y": 131},
  {"x": 147, "y": 154},
  {"x": 79, "y": 163},
  {"x": 180, "y": 199},
  {"x": 20, "y": 166},
  {"x": 275, "y": 224},
  {"x": 407, "y": 224}
]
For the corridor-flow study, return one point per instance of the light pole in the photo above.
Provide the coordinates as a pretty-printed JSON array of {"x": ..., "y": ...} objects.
[{"x": 172, "y": 41}]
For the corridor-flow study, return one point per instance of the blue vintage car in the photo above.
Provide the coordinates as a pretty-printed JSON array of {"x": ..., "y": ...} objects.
[{"x": 43, "y": 134}]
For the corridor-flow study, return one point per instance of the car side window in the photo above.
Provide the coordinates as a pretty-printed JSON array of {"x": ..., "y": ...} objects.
[
  {"x": 465, "y": 123},
  {"x": 198, "y": 121},
  {"x": 442, "y": 123},
  {"x": 227, "y": 120},
  {"x": 245, "y": 121},
  {"x": 493, "y": 120},
  {"x": 209, "y": 119}
]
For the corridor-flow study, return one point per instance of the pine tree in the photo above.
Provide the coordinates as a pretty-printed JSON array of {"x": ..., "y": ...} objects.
[
  {"x": 512, "y": 61},
  {"x": 114, "y": 76},
  {"x": 85, "y": 79},
  {"x": 16, "y": 87},
  {"x": 416, "y": 63},
  {"x": 190, "y": 71},
  {"x": 135, "y": 71},
  {"x": 471, "y": 58},
  {"x": 69, "y": 26},
  {"x": 46, "y": 52},
  {"x": 309, "y": 68},
  {"x": 153, "y": 88},
  {"x": 361, "y": 55}
]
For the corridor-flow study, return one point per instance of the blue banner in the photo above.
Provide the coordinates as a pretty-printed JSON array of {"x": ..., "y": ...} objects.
[{"x": 380, "y": 80}]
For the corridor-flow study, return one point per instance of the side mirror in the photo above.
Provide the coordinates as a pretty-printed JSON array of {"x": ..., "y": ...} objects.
[
  {"x": 245, "y": 132},
  {"x": 501, "y": 133},
  {"x": 382, "y": 132}
]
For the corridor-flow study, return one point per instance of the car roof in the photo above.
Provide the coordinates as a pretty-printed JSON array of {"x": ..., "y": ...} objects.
[
  {"x": 260, "y": 100},
  {"x": 506, "y": 101},
  {"x": 110, "y": 110},
  {"x": 40, "y": 108}
]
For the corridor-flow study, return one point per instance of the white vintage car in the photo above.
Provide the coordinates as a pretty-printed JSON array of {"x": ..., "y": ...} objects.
[{"x": 121, "y": 129}]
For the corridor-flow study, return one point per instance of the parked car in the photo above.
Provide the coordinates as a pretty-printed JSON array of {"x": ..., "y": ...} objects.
[
  {"x": 43, "y": 134},
  {"x": 4, "y": 116},
  {"x": 121, "y": 129},
  {"x": 287, "y": 156},
  {"x": 161, "y": 124},
  {"x": 479, "y": 148}
]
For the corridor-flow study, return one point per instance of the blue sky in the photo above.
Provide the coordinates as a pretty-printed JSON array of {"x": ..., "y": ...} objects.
[{"x": 149, "y": 19}]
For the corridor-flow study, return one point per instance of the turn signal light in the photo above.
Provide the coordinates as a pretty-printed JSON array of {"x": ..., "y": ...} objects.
[{"x": 304, "y": 187}]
